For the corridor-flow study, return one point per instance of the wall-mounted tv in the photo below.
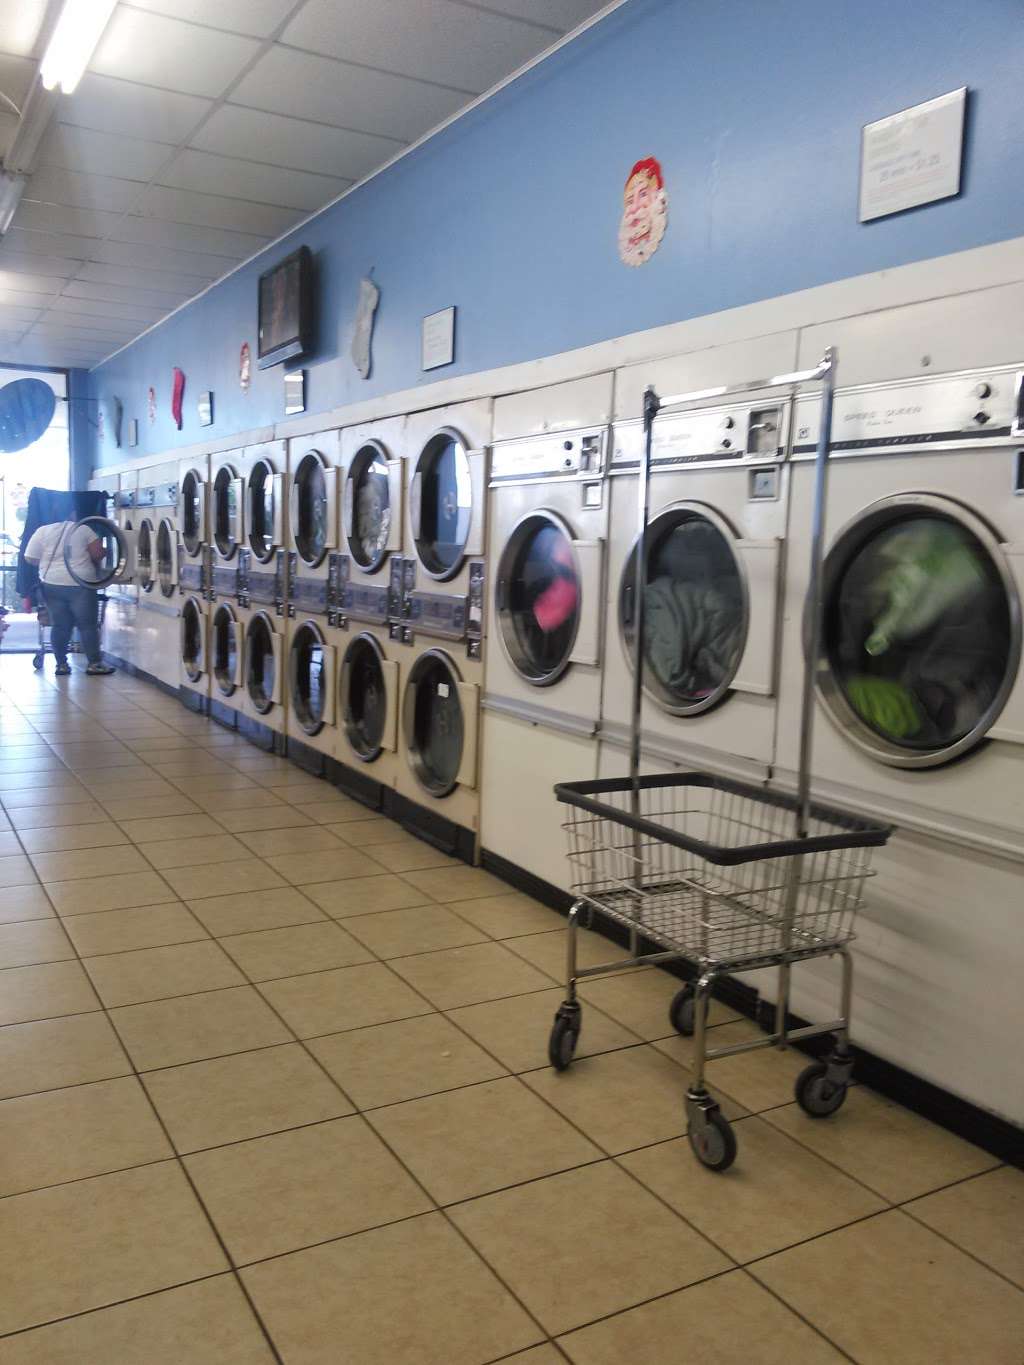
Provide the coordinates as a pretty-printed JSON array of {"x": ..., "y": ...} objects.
[{"x": 286, "y": 309}]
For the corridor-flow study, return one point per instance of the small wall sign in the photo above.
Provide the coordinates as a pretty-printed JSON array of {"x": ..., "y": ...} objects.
[
  {"x": 294, "y": 392},
  {"x": 133, "y": 431},
  {"x": 205, "y": 406},
  {"x": 438, "y": 339},
  {"x": 913, "y": 157},
  {"x": 644, "y": 212}
]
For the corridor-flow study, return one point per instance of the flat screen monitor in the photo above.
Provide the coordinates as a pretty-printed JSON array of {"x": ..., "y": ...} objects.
[{"x": 285, "y": 309}]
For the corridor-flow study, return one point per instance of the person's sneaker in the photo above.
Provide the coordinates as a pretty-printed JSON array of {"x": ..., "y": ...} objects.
[
  {"x": 95, "y": 670},
  {"x": 62, "y": 670}
]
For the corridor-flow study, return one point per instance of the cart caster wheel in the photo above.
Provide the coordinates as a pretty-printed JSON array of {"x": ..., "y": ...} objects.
[
  {"x": 713, "y": 1142},
  {"x": 816, "y": 1094},
  {"x": 37, "y": 661},
  {"x": 681, "y": 1011},
  {"x": 565, "y": 1033}
]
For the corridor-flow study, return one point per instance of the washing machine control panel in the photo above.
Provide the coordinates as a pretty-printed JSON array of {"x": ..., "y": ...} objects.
[
  {"x": 737, "y": 434},
  {"x": 945, "y": 410},
  {"x": 369, "y": 603},
  {"x": 563, "y": 455},
  {"x": 224, "y": 581},
  {"x": 262, "y": 585}
]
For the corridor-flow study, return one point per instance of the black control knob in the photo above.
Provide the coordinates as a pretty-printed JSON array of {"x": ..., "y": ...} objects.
[
  {"x": 983, "y": 390},
  {"x": 981, "y": 418}
]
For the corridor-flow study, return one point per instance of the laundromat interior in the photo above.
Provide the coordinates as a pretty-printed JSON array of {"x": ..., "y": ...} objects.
[{"x": 532, "y": 870}]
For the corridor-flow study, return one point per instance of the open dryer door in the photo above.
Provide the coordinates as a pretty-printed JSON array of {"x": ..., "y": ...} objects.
[
  {"x": 469, "y": 699},
  {"x": 98, "y": 553},
  {"x": 192, "y": 511}
]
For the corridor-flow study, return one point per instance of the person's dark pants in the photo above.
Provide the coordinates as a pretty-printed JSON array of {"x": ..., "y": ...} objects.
[{"x": 70, "y": 607}]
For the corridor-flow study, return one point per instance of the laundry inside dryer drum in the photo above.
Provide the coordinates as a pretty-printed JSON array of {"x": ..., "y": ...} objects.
[
  {"x": 225, "y": 650},
  {"x": 371, "y": 507},
  {"x": 259, "y": 663},
  {"x": 261, "y": 510},
  {"x": 434, "y": 724},
  {"x": 192, "y": 640},
  {"x": 446, "y": 504},
  {"x": 191, "y": 512},
  {"x": 308, "y": 677},
  {"x": 366, "y": 697},
  {"x": 225, "y": 510},
  {"x": 311, "y": 493},
  {"x": 695, "y": 611},
  {"x": 539, "y": 598},
  {"x": 165, "y": 557},
  {"x": 144, "y": 556},
  {"x": 919, "y": 631}
]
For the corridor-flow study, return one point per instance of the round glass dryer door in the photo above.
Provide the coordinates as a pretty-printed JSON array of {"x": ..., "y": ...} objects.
[
  {"x": 192, "y": 639},
  {"x": 433, "y": 722},
  {"x": 144, "y": 556},
  {"x": 921, "y": 637},
  {"x": 370, "y": 491},
  {"x": 225, "y": 649},
  {"x": 192, "y": 498},
  {"x": 310, "y": 494},
  {"x": 695, "y": 610},
  {"x": 445, "y": 504},
  {"x": 261, "y": 510},
  {"x": 307, "y": 670},
  {"x": 260, "y": 666},
  {"x": 365, "y": 697},
  {"x": 95, "y": 551},
  {"x": 165, "y": 558},
  {"x": 539, "y": 598},
  {"x": 225, "y": 511}
]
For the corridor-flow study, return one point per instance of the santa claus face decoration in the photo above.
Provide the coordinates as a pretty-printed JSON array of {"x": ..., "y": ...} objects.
[{"x": 644, "y": 213}]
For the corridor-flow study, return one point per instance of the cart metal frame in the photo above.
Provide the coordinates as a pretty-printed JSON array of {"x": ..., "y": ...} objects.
[{"x": 725, "y": 875}]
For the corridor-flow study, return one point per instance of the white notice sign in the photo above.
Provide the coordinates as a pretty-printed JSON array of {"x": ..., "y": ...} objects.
[
  {"x": 913, "y": 157},
  {"x": 439, "y": 339}
]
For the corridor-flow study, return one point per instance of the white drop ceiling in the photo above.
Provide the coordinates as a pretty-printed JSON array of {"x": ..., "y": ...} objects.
[{"x": 203, "y": 129}]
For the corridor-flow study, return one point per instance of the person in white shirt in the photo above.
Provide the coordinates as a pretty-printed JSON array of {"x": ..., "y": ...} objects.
[{"x": 69, "y": 603}]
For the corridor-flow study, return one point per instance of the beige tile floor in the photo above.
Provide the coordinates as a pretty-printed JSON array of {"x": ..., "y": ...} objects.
[{"x": 273, "y": 1088}]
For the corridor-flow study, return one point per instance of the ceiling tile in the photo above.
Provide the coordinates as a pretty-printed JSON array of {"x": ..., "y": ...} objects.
[
  {"x": 22, "y": 21},
  {"x": 15, "y": 72},
  {"x": 97, "y": 308},
  {"x": 175, "y": 56},
  {"x": 303, "y": 85},
  {"x": 37, "y": 265},
  {"x": 47, "y": 244},
  {"x": 116, "y": 106},
  {"x": 160, "y": 281},
  {"x": 292, "y": 142},
  {"x": 38, "y": 284},
  {"x": 81, "y": 149},
  {"x": 210, "y": 210},
  {"x": 433, "y": 39},
  {"x": 153, "y": 232},
  {"x": 54, "y": 185},
  {"x": 210, "y": 267},
  {"x": 24, "y": 299},
  {"x": 236, "y": 179},
  {"x": 81, "y": 336},
  {"x": 56, "y": 218},
  {"x": 257, "y": 17},
  {"x": 116, "y": 293},
  {"x": 10, "y": 314},
  {"x": 560, "y": 14}
]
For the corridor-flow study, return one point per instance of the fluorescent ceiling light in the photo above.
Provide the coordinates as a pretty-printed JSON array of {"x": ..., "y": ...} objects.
[
  {"x": 74, "y": 40},
  {"x": 11, "y": 189}
]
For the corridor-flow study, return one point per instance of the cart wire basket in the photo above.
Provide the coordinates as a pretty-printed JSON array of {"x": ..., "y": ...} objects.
[{"x": 725, "y": 875}]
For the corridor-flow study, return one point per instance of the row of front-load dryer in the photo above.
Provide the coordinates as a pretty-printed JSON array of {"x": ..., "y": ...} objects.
[
  {"x": 443, "y": 604},
  {"x": 326, "y": 594}
]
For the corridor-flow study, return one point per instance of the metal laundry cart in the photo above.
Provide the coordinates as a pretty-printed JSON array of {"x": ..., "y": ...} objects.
[{"x": 728, "y": 875}]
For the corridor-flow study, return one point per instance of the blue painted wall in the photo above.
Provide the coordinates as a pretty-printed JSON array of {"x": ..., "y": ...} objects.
[{"x": 754, "y": 108}]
